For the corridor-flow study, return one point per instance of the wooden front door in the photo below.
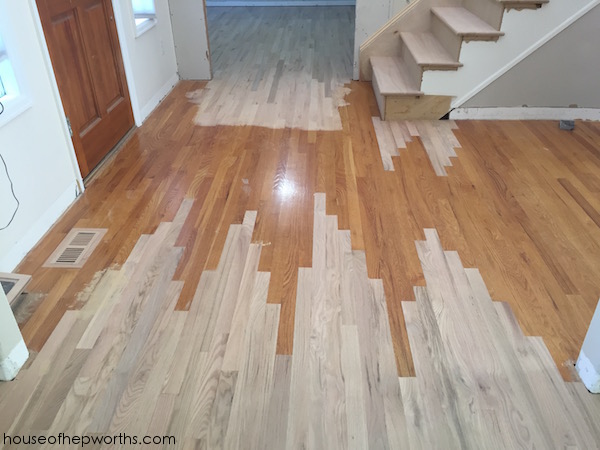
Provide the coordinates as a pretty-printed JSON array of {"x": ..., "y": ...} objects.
[{"x": 86, "y": 57}]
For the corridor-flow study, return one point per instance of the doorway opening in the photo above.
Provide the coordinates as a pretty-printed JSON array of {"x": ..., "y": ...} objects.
[{"x": 278, "y": 66}]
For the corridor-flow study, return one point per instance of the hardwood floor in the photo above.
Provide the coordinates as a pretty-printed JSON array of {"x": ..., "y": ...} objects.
[
  {"x": 129, "y": 364},
  {"x": 277, "y": 67},
  {"x": 260, "y": 282},
  {"x": 436, "y": 136}
]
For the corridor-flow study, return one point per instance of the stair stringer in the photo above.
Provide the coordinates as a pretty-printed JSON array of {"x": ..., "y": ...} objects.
[{"x": 484, "y": 62}]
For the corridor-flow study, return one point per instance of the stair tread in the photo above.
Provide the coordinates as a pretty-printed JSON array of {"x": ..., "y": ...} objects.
[
  {"x": 427, "y": 51},
  {"x": 464, "y": 23},
  {"x": 393, "y": 77}
]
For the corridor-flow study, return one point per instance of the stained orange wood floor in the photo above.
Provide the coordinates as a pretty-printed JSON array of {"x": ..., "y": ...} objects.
[{"x": 520, "y": 203}]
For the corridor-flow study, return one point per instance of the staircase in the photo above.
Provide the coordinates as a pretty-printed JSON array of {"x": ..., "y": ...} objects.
[{"x": 428, "y": 35}]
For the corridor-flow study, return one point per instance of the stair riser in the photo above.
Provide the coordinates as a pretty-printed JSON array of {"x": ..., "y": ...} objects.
[
  {"x": 451, "y": 42},
  {"x": 426, "y": 107},
  {"x": 379, "y": 97},
  {"x": 491, "y": 11},
  {"x": 415, "y": 70}
]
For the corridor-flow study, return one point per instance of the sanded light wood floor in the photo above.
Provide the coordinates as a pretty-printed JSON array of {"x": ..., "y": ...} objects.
[
  {"x": 436, "y": 136},
  {"x": 519, "y": 202},
  {"x": 193, "y": 209},
  {"x": 129, "y": 363},
  {"x": 277, "y": 66}
]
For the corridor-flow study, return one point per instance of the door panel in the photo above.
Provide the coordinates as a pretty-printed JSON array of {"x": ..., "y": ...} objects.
[
  {"x": 86, "y": 58},
  {"x": 72, "y": 75},
  {"x": 105, "y": 76}
]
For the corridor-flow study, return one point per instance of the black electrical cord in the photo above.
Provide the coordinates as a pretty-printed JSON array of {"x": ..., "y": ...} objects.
[{"x": 12, "y": 186}]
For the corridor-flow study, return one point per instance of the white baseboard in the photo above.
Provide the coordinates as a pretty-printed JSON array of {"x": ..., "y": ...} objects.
[
  {"x": 588, "y": 374},
  {"x": 158, "y": 97},
  {"x": 282, "y": 3},
  {"x": 524, "y": 113},
  {"x": 16, "y": 254},
  {"x": 10, "y": 366}
]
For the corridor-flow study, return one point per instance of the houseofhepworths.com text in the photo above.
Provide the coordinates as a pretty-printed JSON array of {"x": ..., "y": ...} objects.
[{"x": 83, "y": 441}]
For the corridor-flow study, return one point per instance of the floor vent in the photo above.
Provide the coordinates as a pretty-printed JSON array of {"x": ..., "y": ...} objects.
[
  {"x": 13, "y": 284},
  {"x": 76, "y": 248}
]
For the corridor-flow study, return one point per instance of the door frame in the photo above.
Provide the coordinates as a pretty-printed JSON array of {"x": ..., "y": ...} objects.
[{"x": 125, "y": 55}]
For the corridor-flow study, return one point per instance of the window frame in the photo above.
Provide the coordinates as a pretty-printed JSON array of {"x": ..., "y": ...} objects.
[{"x": 145, "y": 18}]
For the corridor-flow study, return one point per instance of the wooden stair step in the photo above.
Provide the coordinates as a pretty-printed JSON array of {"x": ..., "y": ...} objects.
[
  {"x": 464, "y": 23},
  {"x": 393, "y": 77},
  {"x": 428, "y": 52},
  {"x": 523, "y": 4}
]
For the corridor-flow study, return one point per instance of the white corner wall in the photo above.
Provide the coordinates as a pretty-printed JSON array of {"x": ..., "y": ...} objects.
[
  {"x": 149, "y": 59},
  {"x": 484, "y": 62},
  {"x": 13, "y": 352},
  {"x": 588, "y": 363},
  {"x": 563, "y": 72},
  {"x": 190, "y": 33},
  {"x": 371, "y": 15},
  {"x": 35, "y": 145}
]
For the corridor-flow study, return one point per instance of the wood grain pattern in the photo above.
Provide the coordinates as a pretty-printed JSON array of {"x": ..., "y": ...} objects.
[
  {"x": 504, "y": 207},
  {"x": 276, "y": 78},
  {"x": 482, "y": 208},
  {"x": 339, "y": 389},
  {"x": 436, "y": 136},
  {"x": 500, "y": 367}
]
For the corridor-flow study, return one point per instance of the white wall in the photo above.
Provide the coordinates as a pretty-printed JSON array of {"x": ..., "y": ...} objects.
[
  {"x": 35, "y": 144},
  {"x": 188, "y": 19},
  {"x": 13, "y": 352},
  {"x": 371, "y": 15},
  {"x": 150, "y": 63},
  {"x": 563, "y": 72},
  {"x": 484, "y": 62},
  {"x": 588, "y": 363}
]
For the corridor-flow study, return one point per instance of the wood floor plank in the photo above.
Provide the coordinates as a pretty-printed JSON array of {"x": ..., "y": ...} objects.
[
  {"x": 589, "y": 405},
  {"x": 516, "y": 206},
  {"x": 221, "y": 410},
  {"x": 249, "y": 410},
  {"x": 353, "y": 383},
  {"x": 275, "y": 432},
  {"x": 194, "y": 330}
]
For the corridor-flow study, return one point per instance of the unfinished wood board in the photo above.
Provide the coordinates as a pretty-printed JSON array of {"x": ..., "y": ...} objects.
[
  {"x": 479, "y": 382},
  {"x": 428, "y": 52},
  {"x": 477, "y": 385},
  {"x": 264, "y": 75},
  {"x": 501, "y": 207},
  {"x": 466, "y": 24},
  {"x": 426, "y": 107},
  {"x": 436, "y": 136},
  {"x": 393, "y": 76},
  {"x": 414, "y": 17}
]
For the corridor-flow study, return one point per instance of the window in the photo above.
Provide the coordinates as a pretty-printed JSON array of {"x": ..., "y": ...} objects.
[
  {"x": 144, "y": 15},
  {"x": 3, "y": 56},
  {"x": 12, "y": 99},
  {"x": 8, "y": 84}
]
